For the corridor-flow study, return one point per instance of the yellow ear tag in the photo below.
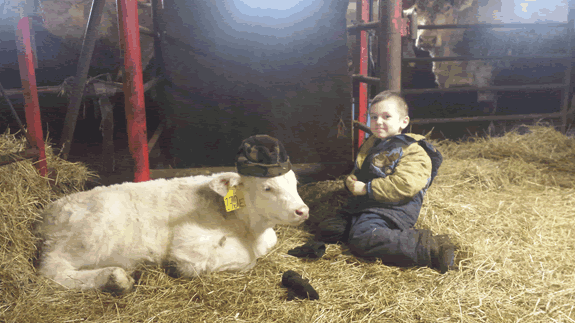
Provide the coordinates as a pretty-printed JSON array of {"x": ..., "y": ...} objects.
[{"x": 234, "y": 199}]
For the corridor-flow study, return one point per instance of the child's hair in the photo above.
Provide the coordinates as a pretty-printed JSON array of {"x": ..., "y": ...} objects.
[{"x": 389, "y": 94}]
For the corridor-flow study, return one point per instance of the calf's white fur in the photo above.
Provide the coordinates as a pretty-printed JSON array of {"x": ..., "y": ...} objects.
[{"x": 92, "y": 238}]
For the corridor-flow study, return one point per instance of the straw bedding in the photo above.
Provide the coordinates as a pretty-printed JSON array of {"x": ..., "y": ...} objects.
[{"x": 507, "y": 202}]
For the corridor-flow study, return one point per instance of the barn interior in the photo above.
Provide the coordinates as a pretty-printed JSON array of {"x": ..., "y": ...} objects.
[
  {"x": 506, "y": 201},
  {"x": 233, "y": 71}
]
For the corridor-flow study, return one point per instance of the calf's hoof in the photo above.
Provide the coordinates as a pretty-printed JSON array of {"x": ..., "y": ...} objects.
[{"x": 118, "y": 282}]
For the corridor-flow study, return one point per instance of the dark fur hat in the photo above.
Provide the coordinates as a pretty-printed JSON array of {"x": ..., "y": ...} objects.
[{"x": 262, "y": 156}]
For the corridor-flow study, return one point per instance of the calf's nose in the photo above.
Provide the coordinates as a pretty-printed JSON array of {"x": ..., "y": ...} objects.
[{"x": 302, "y": 212}]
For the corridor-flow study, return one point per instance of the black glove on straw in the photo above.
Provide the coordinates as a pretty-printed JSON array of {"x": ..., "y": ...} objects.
[
  {"x": 312, "y": 250},
  {"x": 298, "y": 286}
]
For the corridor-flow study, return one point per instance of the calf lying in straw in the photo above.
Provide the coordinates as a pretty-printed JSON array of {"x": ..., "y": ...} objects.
[{"x": 91, "y": 238}]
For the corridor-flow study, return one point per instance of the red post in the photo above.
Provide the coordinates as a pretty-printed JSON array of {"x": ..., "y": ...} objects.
[
  {"x": 134, "y": 87},
  {"x": 26, "y": 63},
  {"x": 363, "y": 7}
]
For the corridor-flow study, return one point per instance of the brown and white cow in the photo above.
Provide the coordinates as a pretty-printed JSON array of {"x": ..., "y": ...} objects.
[{"x": 481, "y": 42}]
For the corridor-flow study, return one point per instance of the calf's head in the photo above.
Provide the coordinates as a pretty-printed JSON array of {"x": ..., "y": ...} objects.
[
  {"x": 268, "y": 181},
  {"x": 275, "y": 199}
]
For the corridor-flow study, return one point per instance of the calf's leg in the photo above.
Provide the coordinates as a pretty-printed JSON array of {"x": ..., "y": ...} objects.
[{"x": 57, "y": 267}]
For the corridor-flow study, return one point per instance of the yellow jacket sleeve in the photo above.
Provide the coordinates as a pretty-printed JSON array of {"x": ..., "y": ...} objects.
[{"x": 410, "y": 175}]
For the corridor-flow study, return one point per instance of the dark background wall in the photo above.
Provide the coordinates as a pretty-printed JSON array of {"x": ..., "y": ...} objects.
[{"x": 233, "y": 75}]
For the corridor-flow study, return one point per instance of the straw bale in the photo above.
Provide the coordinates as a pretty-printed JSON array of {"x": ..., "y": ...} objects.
[{"x": 510, "y": 209}]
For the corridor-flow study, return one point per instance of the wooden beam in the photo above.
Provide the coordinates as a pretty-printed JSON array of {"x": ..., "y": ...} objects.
[
  {"x": 107, "y": 126},
  {"x": 156, "y": 135},
  {"x": 306, "y": 172},
  {"x": 27, "y": 154}
]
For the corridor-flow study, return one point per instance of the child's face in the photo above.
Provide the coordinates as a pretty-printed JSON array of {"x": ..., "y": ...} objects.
[{"x": 385, "y": 121}]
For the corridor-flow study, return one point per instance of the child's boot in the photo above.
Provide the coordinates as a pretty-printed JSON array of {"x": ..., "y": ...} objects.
[
  {"x": 435, "y": 251},
  {"x": 442, "y": 253}
]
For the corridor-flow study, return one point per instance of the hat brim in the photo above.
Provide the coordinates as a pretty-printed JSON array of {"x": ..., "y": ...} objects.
[{"x": 245, "y": 167}]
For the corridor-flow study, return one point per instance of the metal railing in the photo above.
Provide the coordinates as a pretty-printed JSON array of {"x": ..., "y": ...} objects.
[{"x": 564, "y": 86}]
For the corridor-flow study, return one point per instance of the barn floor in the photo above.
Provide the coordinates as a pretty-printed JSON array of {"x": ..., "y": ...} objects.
[{"x": 507, "y": 202}]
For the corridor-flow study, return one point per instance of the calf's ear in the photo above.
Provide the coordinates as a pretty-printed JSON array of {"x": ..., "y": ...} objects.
[{"x": 222, "y": 183}]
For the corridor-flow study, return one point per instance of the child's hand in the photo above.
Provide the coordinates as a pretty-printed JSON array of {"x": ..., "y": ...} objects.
[{"x": 357, "y": 188}]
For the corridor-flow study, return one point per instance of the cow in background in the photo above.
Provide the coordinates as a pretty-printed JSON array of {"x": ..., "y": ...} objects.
[{"x": 539, "y": 41}]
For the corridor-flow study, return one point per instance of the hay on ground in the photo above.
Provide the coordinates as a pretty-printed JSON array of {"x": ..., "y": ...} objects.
[
  {"x": 507, "y": 202},
  {"x": 23, "y": 193}
]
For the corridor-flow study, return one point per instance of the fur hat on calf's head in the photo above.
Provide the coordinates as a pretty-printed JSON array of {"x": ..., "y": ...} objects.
[{"x": 262, "y": 156}]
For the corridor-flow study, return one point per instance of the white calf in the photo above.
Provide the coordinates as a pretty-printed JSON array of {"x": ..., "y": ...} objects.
[{"x": 92, "y": 237}]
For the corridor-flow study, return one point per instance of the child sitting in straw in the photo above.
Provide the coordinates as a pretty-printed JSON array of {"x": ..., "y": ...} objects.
[{"x": 390, "y": 177}]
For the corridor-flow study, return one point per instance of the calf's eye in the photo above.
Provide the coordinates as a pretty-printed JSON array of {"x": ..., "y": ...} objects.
[{"x": 267, "y": 189}]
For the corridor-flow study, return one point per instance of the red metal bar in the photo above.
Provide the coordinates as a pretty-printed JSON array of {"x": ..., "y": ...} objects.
[
  {"x": 363, "y": 7},
  {"x": 391, "y": 44},
  {"x": 28, "y": 75},
  {"x": 133, "y": 87}
]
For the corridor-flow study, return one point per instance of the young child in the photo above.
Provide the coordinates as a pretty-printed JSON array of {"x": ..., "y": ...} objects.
[{"x": 390, "y": 177}]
